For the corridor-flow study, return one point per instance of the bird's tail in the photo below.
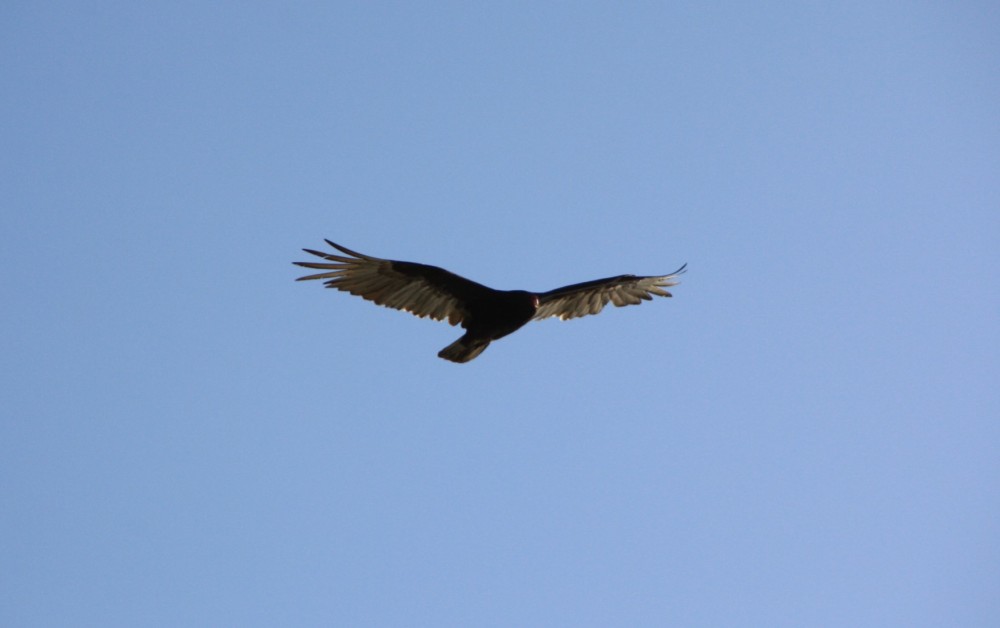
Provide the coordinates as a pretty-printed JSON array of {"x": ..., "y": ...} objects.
[{"x": 464, "y": 349}]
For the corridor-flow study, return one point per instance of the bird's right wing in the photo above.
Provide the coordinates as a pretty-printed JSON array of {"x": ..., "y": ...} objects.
[
  {"x": 419, "y": 289},
  {"x": 590, "y": 297}
]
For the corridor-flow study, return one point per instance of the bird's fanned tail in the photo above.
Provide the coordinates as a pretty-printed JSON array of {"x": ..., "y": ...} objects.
[{"x": 464, "y": 349}]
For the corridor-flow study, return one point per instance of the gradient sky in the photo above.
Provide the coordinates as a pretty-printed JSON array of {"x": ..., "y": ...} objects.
[{"x": 807, "y": 434}]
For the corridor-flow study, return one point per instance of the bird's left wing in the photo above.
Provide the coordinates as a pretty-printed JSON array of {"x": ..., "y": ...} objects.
[
  {"x": 590, "y": 297},
  {"x": 420, "y": 289}
]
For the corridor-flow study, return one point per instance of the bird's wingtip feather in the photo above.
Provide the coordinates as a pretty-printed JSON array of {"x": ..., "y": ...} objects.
[{"x": 344, "y": 249}]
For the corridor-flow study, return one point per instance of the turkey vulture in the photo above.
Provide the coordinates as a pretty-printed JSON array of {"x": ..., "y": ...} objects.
[{"x": 486, "y": 314}]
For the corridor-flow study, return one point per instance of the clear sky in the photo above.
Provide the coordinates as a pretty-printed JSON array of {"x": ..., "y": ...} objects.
[{"x": 807, "y": 434}]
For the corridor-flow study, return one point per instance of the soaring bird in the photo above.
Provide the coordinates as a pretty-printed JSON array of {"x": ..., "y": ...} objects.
[{"x": 486, "y": 314}]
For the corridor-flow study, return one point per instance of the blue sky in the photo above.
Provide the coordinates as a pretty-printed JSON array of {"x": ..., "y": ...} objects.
[{"x": 806, "y": 434}]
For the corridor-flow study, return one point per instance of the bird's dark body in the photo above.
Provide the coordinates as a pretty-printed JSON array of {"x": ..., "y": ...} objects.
[
  {"x": 498, "y": 313},
  {"x": 491, "y": 314},
  {"x": 486, "y": 314}
]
